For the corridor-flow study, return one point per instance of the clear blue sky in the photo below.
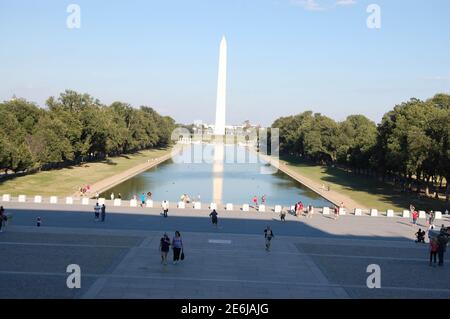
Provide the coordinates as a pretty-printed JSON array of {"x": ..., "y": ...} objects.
[{"x": 283, "y": 57}]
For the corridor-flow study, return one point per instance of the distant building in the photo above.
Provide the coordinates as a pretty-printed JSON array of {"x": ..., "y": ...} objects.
[{"x": 208, "y": 129}]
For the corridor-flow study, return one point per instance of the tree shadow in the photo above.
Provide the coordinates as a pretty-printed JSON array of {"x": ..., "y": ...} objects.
[{"x": 387, "y": 193}]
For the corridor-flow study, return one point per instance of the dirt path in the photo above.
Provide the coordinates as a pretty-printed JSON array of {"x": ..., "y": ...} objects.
[
  {"x": 116, "y": 179},
  {"x": 332, "y": 196}
]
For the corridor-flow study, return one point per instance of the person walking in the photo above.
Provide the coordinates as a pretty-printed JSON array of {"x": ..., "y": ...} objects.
[
  {"x": 112, "y": 196},
  {"x": 432, "y": 217},
  {"x": 165, "y": 208},
  {"x": 142, "y": 200},
  {"x": 336, "y": 212},
  {"x": 119, "y": 196},
  {"x": 310, "y": 211},
  {"x": 300, "y": 209},
  {"x": 442, "y": 247},
  {"x": 415, "y": 215},
  {"x": 103, "y": 212},
  {"x": 255, "y": 201},
  {"x": 164, "y": 245},
  {"x": 96, "y": 212},
  {"x": 177, "y": 247},
  {"x": 268, "y": 235},
  {"x": 433, "y": 250},
  {"x": 283, "y": 215},
  {"x": 263, "y": 199},
  {"x": 97, "y": 195},
  {"x": 213, "y": 216},
  {"x": 3, "y": 218}
]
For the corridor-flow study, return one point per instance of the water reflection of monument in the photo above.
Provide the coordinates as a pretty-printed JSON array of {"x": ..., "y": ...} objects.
[{"x": 219, "y": 128}]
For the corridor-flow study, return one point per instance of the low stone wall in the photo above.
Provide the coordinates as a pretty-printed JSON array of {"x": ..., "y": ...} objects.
[{"x": 85, "y": 201}]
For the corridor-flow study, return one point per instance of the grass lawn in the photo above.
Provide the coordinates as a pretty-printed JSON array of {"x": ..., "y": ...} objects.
[
  {"x": 67, "y": 181},
  {"x": 366, "y": 190}
]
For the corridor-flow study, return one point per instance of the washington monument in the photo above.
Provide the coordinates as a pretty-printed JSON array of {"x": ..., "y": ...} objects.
[{"x": 219, "y": 128}]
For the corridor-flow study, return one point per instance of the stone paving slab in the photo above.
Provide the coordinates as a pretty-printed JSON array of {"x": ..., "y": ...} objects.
[
  {"x": 26, "y": 286},
  {"x": 310, "y": 258}
]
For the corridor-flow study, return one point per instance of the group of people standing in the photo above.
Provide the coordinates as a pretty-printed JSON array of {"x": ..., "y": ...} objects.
[
  {"x": 99, "y": 212},
  {"x": 438, "y": 246},
  {"x": 113, "y": 196},
  {"x": 299, "y": 209},
  {"x": 255, "y": 200},
  {"x": 84, "y": 189},
  {"x": 430, "y": 216},
  {"x": 177, "y": 248}
]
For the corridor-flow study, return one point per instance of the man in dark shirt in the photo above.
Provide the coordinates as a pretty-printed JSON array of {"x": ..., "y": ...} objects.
[
  {"x": 442, "y": 242},
  {"x": 213, "y": 216},
  {"x": 268, "y": 235}
]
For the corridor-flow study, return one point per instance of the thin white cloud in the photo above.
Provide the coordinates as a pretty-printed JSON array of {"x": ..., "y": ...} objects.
[
  {"x": 310, "y": 5},
  {"x": 345, "y": 2},
  {"x": 437, "y": 78},
  {"x": 321, "y": 5}
]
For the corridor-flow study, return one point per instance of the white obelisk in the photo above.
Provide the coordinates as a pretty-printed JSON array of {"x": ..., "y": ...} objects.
[{"x": 219, "y": 129}]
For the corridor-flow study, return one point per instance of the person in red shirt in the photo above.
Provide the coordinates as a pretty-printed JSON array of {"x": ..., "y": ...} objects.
[
  {"x": 255, "y": 200},
  {"x": 415, "y": 215},
  {"x": 299, "y": 209}
]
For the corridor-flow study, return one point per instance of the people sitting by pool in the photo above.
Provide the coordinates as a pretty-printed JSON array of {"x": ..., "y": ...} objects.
[
  {"x": 185, "y": 198},
  {"x": 420, "y": 235}
]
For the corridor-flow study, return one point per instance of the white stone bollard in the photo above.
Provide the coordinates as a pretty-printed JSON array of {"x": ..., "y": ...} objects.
[
  {"x": 149, "y": 203},
  {"x": 277, "y": 208},
  {"x": 373, "y": 212},
  {"x": 229, "y": 206},
  {"x": 38, "y": 199},
  {"x": 262, "y": 208},
  {"x": 438, "y": 215},
  {"x": 245, "y": 208},
  {"x": 133, "y": 203},
  {"x": 422, "y": 214},
  {"x": 358, "y": 212},
  {"x": 6, "y": 197},
  {"x": 85, "y": 201},
  {"x": 342, "y": 211},
  {"x": 182, "y": 205},
  {"x": 101, "y": 201},
  {"x": 53, "y": 200},
  {"x": 326, "y": 211},
  {"x": 69, "y": 200},
  {"x": 22, "y": 198},
  {"x": 406, "y": 214},
  {"x": 117, "y": 202},
  {"x": 197, "y": 205},
  {"x": 389, "y": 213}
]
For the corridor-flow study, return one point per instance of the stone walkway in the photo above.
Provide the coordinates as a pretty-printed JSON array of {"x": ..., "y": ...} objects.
[{"x": 310, "y": 258}]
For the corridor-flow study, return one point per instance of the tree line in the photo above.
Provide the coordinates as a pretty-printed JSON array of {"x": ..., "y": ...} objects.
[
  {"x": 410, "y": 147},
  {"x": 75, "y": 128}
]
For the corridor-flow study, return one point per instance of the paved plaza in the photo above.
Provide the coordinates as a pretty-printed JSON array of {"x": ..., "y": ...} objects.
[{"x": 310, "y": 258}]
